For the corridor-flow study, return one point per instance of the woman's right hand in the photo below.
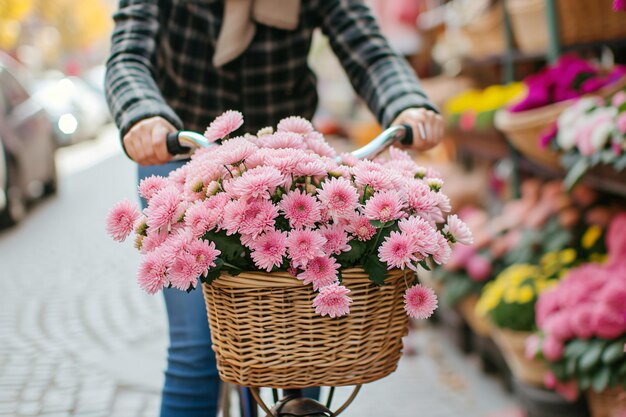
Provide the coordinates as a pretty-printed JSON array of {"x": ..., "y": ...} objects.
[{"x": 145, "y": 142}]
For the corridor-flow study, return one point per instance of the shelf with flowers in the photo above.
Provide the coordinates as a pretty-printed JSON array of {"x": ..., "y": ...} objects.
[
  {"x": 591, "y": 137},
  {"x": 550, "y": 92},
  {"x": 469, "y": 116},
  {"x": 282, "y": 233},
  {"x": 582, "y": 329}
]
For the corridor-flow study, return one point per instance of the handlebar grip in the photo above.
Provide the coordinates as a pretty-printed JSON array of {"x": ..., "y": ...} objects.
[
  {"x": 173, "y": 145},
  {"x": 408, "y": 135}
]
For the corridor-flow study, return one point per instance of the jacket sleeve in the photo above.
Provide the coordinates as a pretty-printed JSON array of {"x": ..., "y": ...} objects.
[
  {"x": 379, "y": 75},
  {"x": 131, "y": 90}
]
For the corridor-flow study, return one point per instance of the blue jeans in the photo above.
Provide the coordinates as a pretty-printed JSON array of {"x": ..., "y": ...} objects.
[{"x": 191, "y": 379}]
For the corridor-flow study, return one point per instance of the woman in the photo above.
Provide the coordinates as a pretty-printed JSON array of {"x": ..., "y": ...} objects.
[{"x": 178, "y": 63}]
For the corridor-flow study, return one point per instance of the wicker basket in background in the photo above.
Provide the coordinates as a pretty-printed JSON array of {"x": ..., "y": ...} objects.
[
  {"x": 528, "y": 22},
  {"x": 486, "y": 32},
  {"x": 265, "y": 332},
  {"x": 582, "y": 21},
  {"x": 609, "y": 403},
  {"x": 512, "y": 344}
]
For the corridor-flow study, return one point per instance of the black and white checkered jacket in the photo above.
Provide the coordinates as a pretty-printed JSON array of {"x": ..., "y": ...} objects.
[{"x": 161, "y": 52}]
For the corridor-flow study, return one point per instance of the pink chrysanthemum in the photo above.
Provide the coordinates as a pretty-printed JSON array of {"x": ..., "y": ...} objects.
[
  {"x": 200, "y": 218},
  {"x": 295, "y": 124},
  {"x": 457, "y": 231},
  {"x": 361, "y": 227},
  {"x": 164, "y": 208},
  {"x": 426, "y": 237},
  {"x": 310, "y": 169},
  {"x": 153, "y": 241},
  {"x": 385, "y": 206},
  {"x": 398, "y": 251},
  {"x": 443, "y": 252},
  {"x": 349, "y": 159},
  {"x": 184, "y": 272},
  {"x": 152, "y": 273},
  {"x": 339, "y": 197},
  {"x": 178, "y": 177},
  {"x": 304, "y": 245},
  {"x": 376, "y": 180},
  {"x": 235, "y": 150},
  {"x": 204, "y": 253},
  {"x": 301, "y": 209},
  {"x": 151, "y": 185},
  {"x": 397, "y": 154},
  {"x": 319, "y": 146},
  {"x": 223, "y": 125},
  {"x": 320, "y": 271},
  {"x": 282, "y": 140},
  {"x": 121, "y": 220},
  {"x": 420, "y": 302},
  {"x": 407, "y": 169},
  {"x": 249, "y": 217},
  {"x": 269, "y": 249},
  {"x": 258, "y": 182},
  {"x": 332, "y": 301},
  {"x": 336, "y": 239}
]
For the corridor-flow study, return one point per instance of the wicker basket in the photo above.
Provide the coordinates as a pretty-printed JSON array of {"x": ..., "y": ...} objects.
[
  {"x": 528, "y": 22},
  {"x": 486, "y": 33},
  {"x": 582, "y": 21},
  {"x": 479, "y": 325},
  {"x": 523, "y": 130},
  {"x": 608, "y": 403},
  {"x": 265, "y": 332},
  {"x": 513, "y": 345}
]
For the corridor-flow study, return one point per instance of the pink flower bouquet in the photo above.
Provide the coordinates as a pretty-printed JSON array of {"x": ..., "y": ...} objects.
[{"x": 280, "y": 200}]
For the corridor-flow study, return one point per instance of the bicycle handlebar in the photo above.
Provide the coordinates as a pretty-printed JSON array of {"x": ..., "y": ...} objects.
[{"x": 179, "y": 143}]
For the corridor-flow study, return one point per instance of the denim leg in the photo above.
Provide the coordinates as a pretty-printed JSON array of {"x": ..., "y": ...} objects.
[{"x": 191, "y": 379}]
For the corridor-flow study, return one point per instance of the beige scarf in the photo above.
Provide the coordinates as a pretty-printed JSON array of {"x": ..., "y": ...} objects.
[{"x": 239, "y": 24}]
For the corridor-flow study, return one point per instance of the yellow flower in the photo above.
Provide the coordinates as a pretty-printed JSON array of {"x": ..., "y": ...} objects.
[
  {"x": 591, "y": 236},
  {"x": 567, "y": 256},
  {"x": 599, "y": 258},
  {"x": 525, "y": 295},
  {"x": 511, "y": 295},
  {"x": 550, "y": 258}
]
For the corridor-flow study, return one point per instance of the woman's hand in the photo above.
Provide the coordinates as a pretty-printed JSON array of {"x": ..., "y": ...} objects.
[
  {"x": 145, "y": 142},
  {"x": 428, "y": 127}
]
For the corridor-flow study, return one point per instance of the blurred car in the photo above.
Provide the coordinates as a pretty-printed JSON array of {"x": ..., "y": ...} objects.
[
  {"x": 27, "y": 146},
  {"x": 76, "y": 109}
]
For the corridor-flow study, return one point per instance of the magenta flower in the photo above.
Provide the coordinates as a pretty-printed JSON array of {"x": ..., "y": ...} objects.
[
  {"x": 151, "y": 185},
  {"x": 336, "y": 239},
  {"x": 608, "y": 322},
  {"x": 152, "y": 273},
  {"x": 552, "y": 348},
  {"x": 320, "y": 271},
  {"x": 121, "y": 220},
  {"x": 269, "y": 249},
  {"x": 361, "y": 228},
  {"x": 304, "y": 245},
  {"x": 295, "y": 124},
  {"x": 581, "y": 320},
  {"x": 339, "y": 197},
  {"x": 456, "y": 231},
  {"x": 398, "y": 251},
  {"x": 385, "y": 206},
  {"x": 332, "y": 301},
  {"x": 301, "y": 209},
  {"x": 224, "y": 125},
  {"x": 420, "y": 302}
]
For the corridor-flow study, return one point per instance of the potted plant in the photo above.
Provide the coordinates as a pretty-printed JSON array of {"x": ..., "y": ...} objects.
[{"x": 582, "y": 323}]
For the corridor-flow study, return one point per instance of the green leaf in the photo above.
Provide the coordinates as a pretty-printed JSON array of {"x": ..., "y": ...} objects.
[
  {"x": 591, "y": 357},
  {"x": 570, "y": 366},
  {"x": 620, "y": 163},
  {"x": 354, "y": 255},
  {"x": 601, "y": 379},
  {"x": 608, "y": 156},
  {"x": 576, "y": 172},
  {"x": 214, "y": 272},
  {"x": 622, "y": 370},
  {"x": 377, "y": 223},
  {"x": 613, "y": 352},
  {"x": 584, "y": 382},
  {"x": 559, "y": 370},
  {"x": 425, "y": 265},
  {"x": 376, "y": 270},
  {"x": 576, "y": 348}
]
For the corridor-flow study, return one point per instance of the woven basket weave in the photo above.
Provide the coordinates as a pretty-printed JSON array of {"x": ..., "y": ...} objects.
[
  {"x": 609, "y": 403},
  {"x": 265, "y": 332}
]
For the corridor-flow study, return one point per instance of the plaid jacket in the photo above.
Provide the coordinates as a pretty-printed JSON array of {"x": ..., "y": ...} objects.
[{"x": 160, "y": 65}]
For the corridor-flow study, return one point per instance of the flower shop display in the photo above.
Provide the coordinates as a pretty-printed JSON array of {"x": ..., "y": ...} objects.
[
  {"x": 549, "y": 93},
  {"x": 582, "y": 324},
  {"x": 475, "y": 109},
  {"x": 281, "y": 233},
  {"x": 591, "y": 133}
]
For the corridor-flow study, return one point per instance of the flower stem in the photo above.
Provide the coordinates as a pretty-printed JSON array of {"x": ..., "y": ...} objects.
[{"x": 232, "y": 266}]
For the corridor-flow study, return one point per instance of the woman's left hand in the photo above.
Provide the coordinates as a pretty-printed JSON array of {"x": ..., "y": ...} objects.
[{"x": 428, "y": 127}]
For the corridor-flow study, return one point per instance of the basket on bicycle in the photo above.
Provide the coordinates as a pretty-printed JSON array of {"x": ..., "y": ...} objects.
[{"x": 307, "y": 261}]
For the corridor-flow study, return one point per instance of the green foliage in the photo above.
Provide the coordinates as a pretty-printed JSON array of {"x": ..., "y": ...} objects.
[
  {"x": 354, "y": 256},
  {"x": 375, "y": 269}
]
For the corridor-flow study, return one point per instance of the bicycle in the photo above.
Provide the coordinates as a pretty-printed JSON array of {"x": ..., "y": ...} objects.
[{"x": 293, "y": 403}]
